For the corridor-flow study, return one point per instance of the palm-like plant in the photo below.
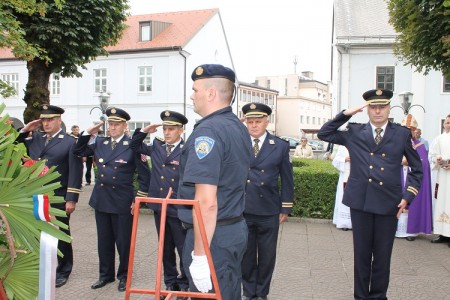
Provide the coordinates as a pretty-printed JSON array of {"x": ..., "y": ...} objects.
[{"x": 19, "y": 230}]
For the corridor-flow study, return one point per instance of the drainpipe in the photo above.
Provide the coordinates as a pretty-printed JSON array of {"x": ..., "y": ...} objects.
[{"x": 184, "y": 87}]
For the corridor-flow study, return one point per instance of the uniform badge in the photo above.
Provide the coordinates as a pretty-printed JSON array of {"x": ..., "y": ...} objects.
[
  {"x": 252, "y": 106},
  {"x": 272, "y": 142},
  {"x": 379, "y": 92},
  {"x": 125, "y": 143},
  {"x": 203, "y": 146},
  {"x": 105, "y": 142},
  {"x": 113, "y": 110},
  {"x": 60, "y": 136},
  {"x": 45, "y": 107},
  {"x": 199, "y": 71},
  {"x": 100, "y": 160},
  {"x": 143, "y": 157},
  {"x": 167, "y": 114}
]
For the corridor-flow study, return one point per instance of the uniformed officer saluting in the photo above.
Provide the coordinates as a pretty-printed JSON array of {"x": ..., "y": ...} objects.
[
  {"x": 55, "y": 147},
  {"x": 213, "y": 170},
  {"x": 266, "y": 204},
  {"x": 165, "y": 155},
  {"x": 113, "y": 194},
  {"x": 374, "y": 190}
]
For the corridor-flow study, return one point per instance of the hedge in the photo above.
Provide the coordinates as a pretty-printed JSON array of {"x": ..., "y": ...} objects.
[{"x": 314, "y": 188}]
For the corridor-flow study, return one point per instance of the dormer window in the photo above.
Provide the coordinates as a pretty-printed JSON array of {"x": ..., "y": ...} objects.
[{"x": 145, "y": 31}]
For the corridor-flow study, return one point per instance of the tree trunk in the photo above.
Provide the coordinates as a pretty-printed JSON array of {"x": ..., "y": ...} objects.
[{"x": 36, "y": 91}]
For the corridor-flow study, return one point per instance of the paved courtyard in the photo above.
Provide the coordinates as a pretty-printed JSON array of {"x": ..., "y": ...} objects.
[{"x": 314, "y": 261}]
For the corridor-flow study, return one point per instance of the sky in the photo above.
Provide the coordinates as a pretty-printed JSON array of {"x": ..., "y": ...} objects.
[{"x": 266, "y": 36}]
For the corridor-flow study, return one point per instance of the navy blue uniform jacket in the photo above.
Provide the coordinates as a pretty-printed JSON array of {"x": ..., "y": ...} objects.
[
  {"x": 58, "y": 152},
  {"x": 374, "y": 184},
  {"x": 165, "y": 169},
  {"x": 263, "y": 194},
  {"x": 113, "y": 191}
]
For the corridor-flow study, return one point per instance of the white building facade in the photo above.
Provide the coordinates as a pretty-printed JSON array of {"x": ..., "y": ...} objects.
[{"x": 148, "y": 71}]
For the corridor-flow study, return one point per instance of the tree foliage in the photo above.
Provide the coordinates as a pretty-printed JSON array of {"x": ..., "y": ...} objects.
[
  {"x": 71, "y": 34},
  {"x": 424, "y": 33}
]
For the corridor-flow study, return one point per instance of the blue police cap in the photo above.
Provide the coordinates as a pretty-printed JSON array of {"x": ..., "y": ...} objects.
[
  {"x": 256, "y": 110},
  {"x": 378, "y": 97},
  {"x": 213, "y": 71},
  {"x": 50, "y": 111},
  {"x": 173, "y": 118},
  {"x": 117, "y": 115}
]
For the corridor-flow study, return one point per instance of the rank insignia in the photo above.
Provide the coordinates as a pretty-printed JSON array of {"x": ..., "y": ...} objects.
[
  {"x": 272, "y": 142},
  {"x": 60, "y": 136},
  {"x": 105, "y": 142},
  {"x": 125, "y": 143}
]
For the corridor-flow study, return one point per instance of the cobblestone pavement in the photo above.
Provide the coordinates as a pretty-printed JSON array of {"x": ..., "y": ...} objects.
[{"x": 314, "y": 261}]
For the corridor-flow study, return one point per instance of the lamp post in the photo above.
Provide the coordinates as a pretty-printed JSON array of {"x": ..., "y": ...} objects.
[
  {"x": 405, "y": 102},
  {"x": 103, "y": 100}
]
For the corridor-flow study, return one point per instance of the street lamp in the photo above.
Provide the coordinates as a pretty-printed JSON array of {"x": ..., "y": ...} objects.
[
  {"x": 103, "y": 100},
  {"x": 405, "y": 102}
]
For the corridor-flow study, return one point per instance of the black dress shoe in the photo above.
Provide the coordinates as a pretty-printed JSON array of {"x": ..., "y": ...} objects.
[
  {"x": 59, "y": 282},
  {"x": 410, "y": 238},
  {"x": 101, "y": 283},
  {"x": 440, "y": 239},
  {"x": 246, "y": 298},
  {"x": 122, "y": 285}
]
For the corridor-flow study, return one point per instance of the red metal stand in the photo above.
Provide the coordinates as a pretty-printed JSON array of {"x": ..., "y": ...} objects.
[{"x": 157, "y": 291}]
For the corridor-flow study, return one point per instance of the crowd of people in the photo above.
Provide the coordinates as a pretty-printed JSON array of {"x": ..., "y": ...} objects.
[
  {"x": 231, "y": 169},
  {"x": 242, "y": 177}
]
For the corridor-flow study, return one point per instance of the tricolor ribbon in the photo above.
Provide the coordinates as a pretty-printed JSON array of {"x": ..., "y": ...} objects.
[{"x": 40, "y": 207}]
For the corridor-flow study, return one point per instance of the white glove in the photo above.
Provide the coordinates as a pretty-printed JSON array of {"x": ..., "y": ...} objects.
[{"x": 200, "y": 273}]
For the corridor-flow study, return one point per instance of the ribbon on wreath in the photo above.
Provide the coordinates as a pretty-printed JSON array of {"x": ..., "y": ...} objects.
[{"x": 48, "y": 250}]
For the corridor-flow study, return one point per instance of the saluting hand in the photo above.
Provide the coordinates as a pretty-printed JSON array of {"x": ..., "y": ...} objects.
[
  {"x": 151, "y": 128},
  {"x": 355, "y": 110},
  {"x": 401, "y": 206},
  {"x": 95, "y": 129},
  {"x": 32, "y": 126}
]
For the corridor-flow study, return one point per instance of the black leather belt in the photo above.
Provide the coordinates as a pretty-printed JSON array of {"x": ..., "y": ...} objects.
[{"x": 219, "y": 223}]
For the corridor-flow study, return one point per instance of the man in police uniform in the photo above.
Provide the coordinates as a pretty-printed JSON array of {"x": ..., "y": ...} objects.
[
  {"x": 374, "y": 190},
  {"x": 165, "y": 155},
  {"x": 113, "y": 193},
  {"x": 266, "y": 205},
  {"x": 55, "y": 147},
  {"x": 213, "y": 170}
]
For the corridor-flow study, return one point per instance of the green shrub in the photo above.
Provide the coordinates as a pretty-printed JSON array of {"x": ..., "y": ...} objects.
[{"x": 315, "y": 188}]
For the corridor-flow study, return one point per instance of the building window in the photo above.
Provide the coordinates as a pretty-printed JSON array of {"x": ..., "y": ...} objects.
[
  {"x": 257, "y": 82},
  {"x": 301, "y": 119},
  {"x": 132, "y": 126},
  {"x": 314, "y": 120},
  {"x": 12, "y": 80},
  {"x": 145, "y": 31},
  {"x": 446, "y": 85},
  {"x": 100, "y": 80},
  {"x": 145, "y": 79},
  {"x": 385, "y": 78},
  {"x": 307, "y": 119},
  {"x": 55, "y": 85},
  {"x": 268, "y": 83}
]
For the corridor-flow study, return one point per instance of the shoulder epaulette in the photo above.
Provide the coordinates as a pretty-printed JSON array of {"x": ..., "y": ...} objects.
[
  {"x": 160, "y": 139},
  {"x": 71, "y": 135}
]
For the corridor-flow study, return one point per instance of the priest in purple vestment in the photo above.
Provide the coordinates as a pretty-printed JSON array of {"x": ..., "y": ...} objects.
[{"x": 419, "y": 211}]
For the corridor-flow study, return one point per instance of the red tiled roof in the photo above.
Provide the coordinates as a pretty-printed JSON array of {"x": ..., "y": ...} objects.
[{"x": 184, "y": 26}]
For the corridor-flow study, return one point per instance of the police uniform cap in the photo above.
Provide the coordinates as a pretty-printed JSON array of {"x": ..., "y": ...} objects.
[
  {"x": 213, "y": 71},
  {"x": 173, "y": 118},
  {"x": 378, "y": 97},
  {"x": 409, "y": 122},
  {"x": 117, "y": 115},
  {"x": 256, "y": 110},
  {"x": 50, "y": 111}
]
